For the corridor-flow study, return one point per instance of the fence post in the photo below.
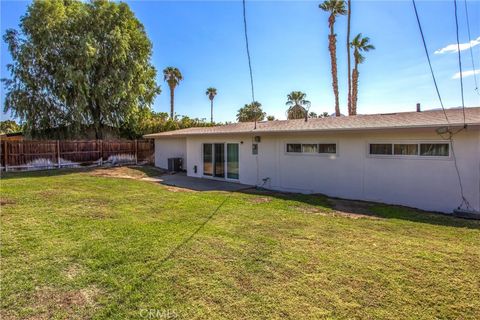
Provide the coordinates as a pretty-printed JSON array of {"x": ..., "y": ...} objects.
[
  {"x": 101, "y": 152},
  {"x": 6, "y": 155},
  {"x": 136, "y": 151},
  {"x": 58, "y": 154}
]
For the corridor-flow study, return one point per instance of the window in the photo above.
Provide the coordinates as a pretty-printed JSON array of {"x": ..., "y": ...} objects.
[
  {"x": 309, "y": 148},
  {"x": 294, "y": 147},
  {"x": 434, "y": 149},
  {"x": 327, "y": 148},
  {"x": 312, "y": 148},
  {"x": 380, "y": 148},
  {"x": 406, "y": 149}
]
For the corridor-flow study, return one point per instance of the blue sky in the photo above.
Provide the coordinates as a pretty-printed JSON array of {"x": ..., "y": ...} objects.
[{"x": 288, "y": 43}]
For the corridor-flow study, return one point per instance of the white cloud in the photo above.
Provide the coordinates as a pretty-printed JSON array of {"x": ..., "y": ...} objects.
[
  {"x": 463, "y": 46},
  {"x": 466, "y": 73}
]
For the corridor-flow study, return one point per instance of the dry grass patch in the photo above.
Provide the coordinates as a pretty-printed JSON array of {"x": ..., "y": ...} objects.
[
  {"x": 73, "y": 271},
  {"x": 5, "y": 201},
  {"x": 260, "y": 200},
  {"x": 352, "y": 209},
  {"x": 131, "y": 172}
]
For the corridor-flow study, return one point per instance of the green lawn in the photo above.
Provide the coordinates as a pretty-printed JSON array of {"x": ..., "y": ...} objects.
[{"x": 75, "y": 245}]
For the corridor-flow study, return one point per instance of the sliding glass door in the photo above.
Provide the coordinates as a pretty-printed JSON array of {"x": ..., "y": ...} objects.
[
  {"x": 219, "y": 167},
  {"x": 208, "y": 159},
  {"x": 217, "y": 159},
  {"x": 232, "y": 160}
]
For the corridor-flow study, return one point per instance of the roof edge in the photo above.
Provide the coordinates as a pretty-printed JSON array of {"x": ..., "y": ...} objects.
[{"x": 171, "y": 134}]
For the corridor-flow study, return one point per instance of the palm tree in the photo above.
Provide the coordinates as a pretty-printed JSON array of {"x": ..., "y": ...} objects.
[
  {"x": 359, "y": 45},
  {"x": 298, "y": 103},
  {"x": 336, "y": 8},
  {"x": 211, "y": 93},
  {"x": 349, "y": 96},
  {"x": 173, "y": 77}
]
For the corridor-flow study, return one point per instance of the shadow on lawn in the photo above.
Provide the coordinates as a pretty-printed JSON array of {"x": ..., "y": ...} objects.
[
  {"x": 357, "y": 209},
  {"x": 337, "y": 206}
]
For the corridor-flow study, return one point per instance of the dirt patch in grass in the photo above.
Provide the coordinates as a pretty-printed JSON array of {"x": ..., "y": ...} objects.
[
  {"x": 5, "y": 201},
  {"x": 138, "y": 173},
  {"x": 352, "y": 209},
  {"x": 260, "y": 200},
  {"x": 73, "y": 271},
  {"x": 50, "y": 303},
  {"x": 310, "y": 209},
  {"x": 178, "y": 189}
]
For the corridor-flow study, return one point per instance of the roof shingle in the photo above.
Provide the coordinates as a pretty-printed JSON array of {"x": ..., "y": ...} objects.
[{"x": 431, "y": 118}]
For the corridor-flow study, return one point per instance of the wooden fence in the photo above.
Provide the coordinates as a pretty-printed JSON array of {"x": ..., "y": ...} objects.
[{"x": 29, "y": 154}]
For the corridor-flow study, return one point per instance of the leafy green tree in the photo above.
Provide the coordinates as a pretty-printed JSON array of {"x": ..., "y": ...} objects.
[
  {"x": 250, "y": 112},
  {"x": 9, "y": 126},
  {"x": 79, "y": 64},
  {"x": 160, "y": 122},
  {"x": 173, "y": 76},
  {"x": 359, "y": 44},
  {"x": 298, "y": 104},
  {"x": 335, "y": 8},
  {"x": 211, "y": 93},
  {"x": 270, "y": 118}
]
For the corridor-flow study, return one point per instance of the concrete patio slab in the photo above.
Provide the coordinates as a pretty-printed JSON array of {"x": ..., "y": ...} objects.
[{"x": 181, "y": 180}]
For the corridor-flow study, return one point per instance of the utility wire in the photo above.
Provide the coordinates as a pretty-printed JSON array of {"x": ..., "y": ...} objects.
[
  {"x": 451, "y": 134},
  {"x": 471, "y": 50},
  {"x": 464, "y": 200},
  {"x": 429, "y": 62},
  {"x": 459, "y": 61},
  {"x": 249, "y": 60},
  {"x": 157, "y": 264}
]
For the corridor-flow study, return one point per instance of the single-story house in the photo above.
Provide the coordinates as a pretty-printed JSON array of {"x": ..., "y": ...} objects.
[{"x": 402, "y": 158}]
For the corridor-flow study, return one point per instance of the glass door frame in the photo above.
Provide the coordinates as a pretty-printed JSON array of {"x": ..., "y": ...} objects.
[{"x": 225, "y": 161}]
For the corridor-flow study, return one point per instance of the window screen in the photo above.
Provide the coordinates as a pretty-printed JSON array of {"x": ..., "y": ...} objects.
[
  {"x": 405, "y": 149},
  {"x": 309, "y": 148},
  {"x": 327, "y": 148},
  {"x": 294, "y": 147},
  {"x": 380, "y": 148},
  {"x": 434, "y": 149}
]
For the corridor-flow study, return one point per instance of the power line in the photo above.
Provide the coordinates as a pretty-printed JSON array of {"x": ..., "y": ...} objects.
[
  {"x": 459, "y": 60},
  {"x": 429, "y": 62},
  {"x": 471, "y": 50},
  {"x": 249, "y": 60},
  {"x": 451, "y": 134}
]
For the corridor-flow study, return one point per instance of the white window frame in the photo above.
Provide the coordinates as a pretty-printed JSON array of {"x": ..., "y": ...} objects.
[
  {"x": 409, "y": 157},
  {"x": 311, "y": 154}
]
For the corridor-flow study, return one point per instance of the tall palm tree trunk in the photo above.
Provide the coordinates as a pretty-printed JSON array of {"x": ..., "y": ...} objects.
[
  {"x": 333, "y": 56},
  {"x": 211, "y": 110},
  {"x": 172, "y": 98},
  {"x": 348, "y": 59},
  {"x": 355, "y": 75}
]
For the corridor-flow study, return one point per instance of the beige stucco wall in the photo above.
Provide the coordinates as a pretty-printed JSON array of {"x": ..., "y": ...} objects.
[
  {"x": 422, "y": 182},
  {"x": 169, "y": 148}
]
